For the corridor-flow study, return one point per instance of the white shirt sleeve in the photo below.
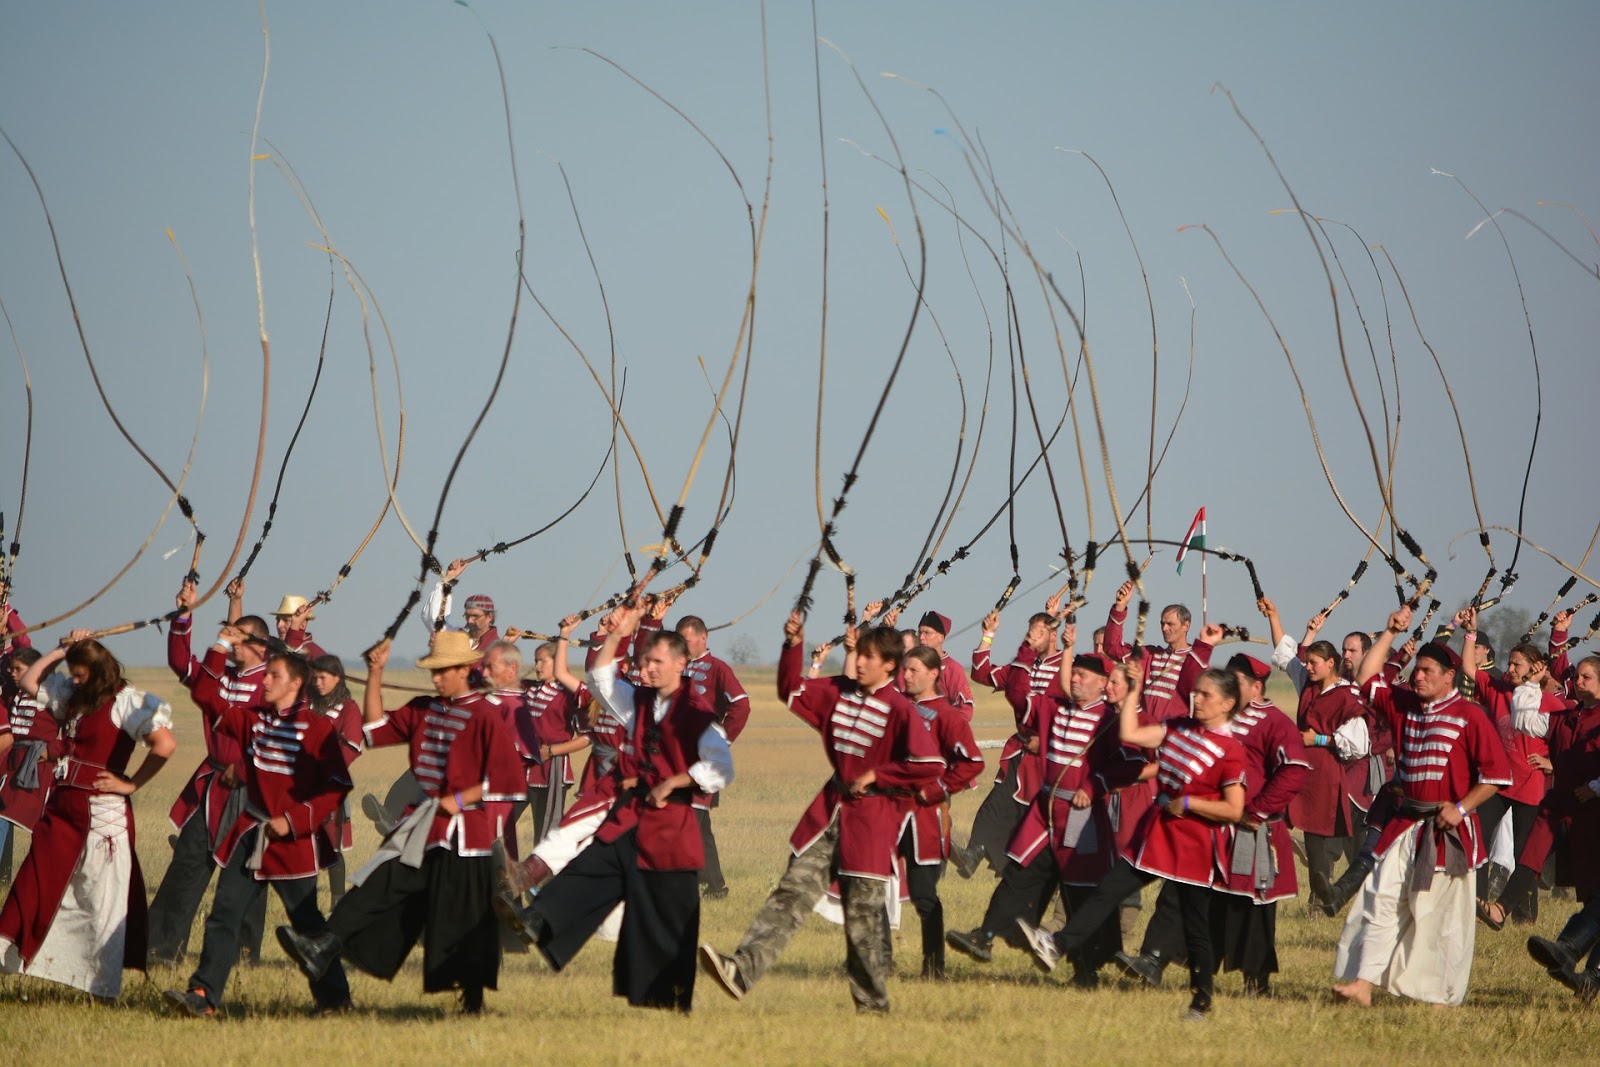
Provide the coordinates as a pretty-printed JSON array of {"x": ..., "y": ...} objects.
[
  {"x": 613, "y": 691},
  {"x": 1350, "y": 741},
  {"x": 139, "y": 714},
  {"x": 1525, "y": 713},
  {"x": 1285, "y": 657},
  {"x": 433, "y": 604},
  {"x": 714, "y": 771},
  {"x": 54, "y": 690}
]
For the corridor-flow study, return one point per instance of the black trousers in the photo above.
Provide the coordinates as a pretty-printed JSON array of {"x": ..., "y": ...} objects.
[
  {"x": 1322, "y": 852},
  {"x": 178, "y": 897},
  {"x": 447, "y": 902},
  {"x": 654, "y": 965},
  {"x": 1163, "y": 937},
  {"x": 997, "y": 819},
  {"x": 1024, "y": 893},
  {"x": 238, "y": 894},
  {"x": 1078, "y": 939},
  {"x": 922, "y": 882},
  {"x": 711, "y": 874},
  {"x": 1521, "y": 899}
]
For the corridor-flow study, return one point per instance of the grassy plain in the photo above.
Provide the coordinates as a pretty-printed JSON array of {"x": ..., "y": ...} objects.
[{"x": 801, "y": 1013}]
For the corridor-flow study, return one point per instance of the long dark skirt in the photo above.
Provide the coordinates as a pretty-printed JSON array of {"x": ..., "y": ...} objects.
[
  {"x": 1245, "y": 934},
  {"x": 447, "y": 902},
  {"x": 654, "y": 965}
]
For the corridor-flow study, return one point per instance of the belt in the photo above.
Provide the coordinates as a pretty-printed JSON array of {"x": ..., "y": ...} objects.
[
  {"x": 677, "y": 796},
  {"x": 1407, "y": 808},
  {"x": 872, "y": 790},
  {"x": 76, "y": 774}
]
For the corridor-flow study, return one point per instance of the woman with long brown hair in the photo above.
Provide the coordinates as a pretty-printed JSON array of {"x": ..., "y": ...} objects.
[{"x": 76, "y": 913}]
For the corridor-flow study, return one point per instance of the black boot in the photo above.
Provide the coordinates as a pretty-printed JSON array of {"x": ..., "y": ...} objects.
[
  {"x": 933, "y": 947},
  {"x": 1146, "y": 967},
  {"x": 314, "y": 954},
  {"x": 979, "y": 944},
  {"x": 1589, "y": 980},
  {"x": 519, "y": 920},
  {"x": 1561, "y": 957},
  {"x": 1199, "y": 1005},
  {"x": 1334, "y": 897}
]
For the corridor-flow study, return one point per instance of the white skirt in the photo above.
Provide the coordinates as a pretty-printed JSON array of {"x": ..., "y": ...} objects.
[{"x": 84, "y": 947}]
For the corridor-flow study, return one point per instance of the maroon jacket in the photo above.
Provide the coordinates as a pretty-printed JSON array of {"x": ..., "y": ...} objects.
[
  {"x": 204, "y": 790},
  {"x": 1275, "y": 769},
  {"x": 861, "y": 731},
  {"x": 963, "y": 763},
  {"x": 294, "y": 768},
  {"x": 669, "y": 836},
  {"x": 456, "y": 744}
]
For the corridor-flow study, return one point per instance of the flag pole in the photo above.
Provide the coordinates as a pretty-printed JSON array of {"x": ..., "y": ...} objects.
[{"x": 1203, "y": 590}]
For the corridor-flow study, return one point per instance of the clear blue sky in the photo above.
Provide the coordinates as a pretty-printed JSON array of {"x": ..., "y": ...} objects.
[{"x": 136, "y": 117}]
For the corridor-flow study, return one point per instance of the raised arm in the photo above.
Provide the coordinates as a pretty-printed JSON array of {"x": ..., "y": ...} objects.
[
  {"x": 1113, "y": 645},
  {"x": 372, "y": 699},
  {"x": 1129, "y": 729},
  {"x": 563, "y": 672},
  {"x": 1373, "y": 661}
]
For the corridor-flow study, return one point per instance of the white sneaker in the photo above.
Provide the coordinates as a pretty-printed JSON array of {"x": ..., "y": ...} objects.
[
  {"x": 723, "y": 969},
  {"x": 1041, "y": 944}
]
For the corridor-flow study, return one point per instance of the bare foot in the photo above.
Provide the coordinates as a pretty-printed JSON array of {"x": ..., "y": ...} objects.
[{"x": 1356, "y": 992}]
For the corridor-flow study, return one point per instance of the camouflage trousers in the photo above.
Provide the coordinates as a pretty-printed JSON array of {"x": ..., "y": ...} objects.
[{"x": 869, "y": 953}]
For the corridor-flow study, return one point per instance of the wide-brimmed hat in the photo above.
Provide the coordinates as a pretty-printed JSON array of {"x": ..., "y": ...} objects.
[
  {"x": 291, "y": 605},
  {"x": 450, "y": 648}
]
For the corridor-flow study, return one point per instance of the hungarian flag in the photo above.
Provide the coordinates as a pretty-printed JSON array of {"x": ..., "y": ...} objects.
[{"x": 1195, "y": 538}]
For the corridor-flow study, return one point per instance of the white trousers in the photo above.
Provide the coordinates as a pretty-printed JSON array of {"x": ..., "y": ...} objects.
[
  {"x": 561, "y": 846},
  {"x": 1413, "y": 943}
]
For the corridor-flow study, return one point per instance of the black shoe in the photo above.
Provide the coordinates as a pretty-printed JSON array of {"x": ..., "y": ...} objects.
[
  {"x": 344, "y": 1008},
  {"x": 966, "y": 859},
  {"x": 1563, "y": 956},
  {"x": 932, "y": 969},
  {"x": 1588, "y": 985},
  {"x": 1333, "y": 898},
  {"x": 191, "y": 1002},
  {"x": 714, "y": 892},
  {"x": 1199, "y": 1007},
  {"x": 314, "y": 955},
  {"x": 515, "y": 917},
  {"x": 978, "y": 944},
  {"x": 373, "y": 808},
  {"x": 1257, "y": 987},
  {"x": 472, "y": 1000},
  {"x": 1145, "y": 967}
]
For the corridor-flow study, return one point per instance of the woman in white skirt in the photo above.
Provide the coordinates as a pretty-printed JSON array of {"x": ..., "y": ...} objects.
[{"x": 76, "y": 913}]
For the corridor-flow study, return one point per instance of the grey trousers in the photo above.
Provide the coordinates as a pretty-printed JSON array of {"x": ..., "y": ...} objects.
[{"x": 869, "y": 953}]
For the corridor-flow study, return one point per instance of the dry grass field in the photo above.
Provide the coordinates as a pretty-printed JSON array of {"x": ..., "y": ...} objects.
[{"x": 801, "y": 1013}]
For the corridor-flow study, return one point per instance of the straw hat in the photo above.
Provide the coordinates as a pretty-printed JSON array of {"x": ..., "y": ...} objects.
[
  {"x": 450, "y": 648},
  {"x": 291, "y": 606}
]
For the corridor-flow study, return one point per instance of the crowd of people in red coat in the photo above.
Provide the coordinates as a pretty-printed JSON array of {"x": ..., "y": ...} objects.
[{"x": 1450, "y": 791}]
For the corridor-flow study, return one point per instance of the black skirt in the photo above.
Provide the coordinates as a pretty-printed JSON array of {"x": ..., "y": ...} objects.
[
  {"x": 447, "y": 902},
  {"x": 654, "y": 965},
  {"x": 1245, "y": 935}
]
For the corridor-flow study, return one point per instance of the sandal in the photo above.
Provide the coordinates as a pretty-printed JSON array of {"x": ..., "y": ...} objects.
[{"x": 1492, "y": 914}]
